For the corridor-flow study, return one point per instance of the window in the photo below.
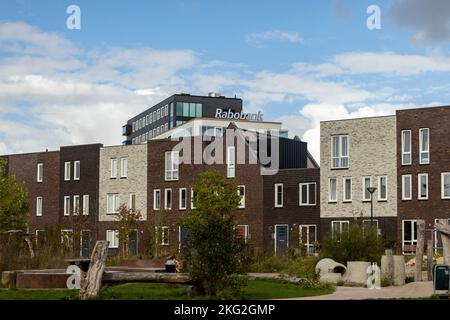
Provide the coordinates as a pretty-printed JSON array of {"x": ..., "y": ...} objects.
[
  {"x": 172, "y": 158},
  {"x": 66, "y": 171},
  {"x": 132, "y": 204},
  {"x": 409, "y": 235},
  {"x": 123, "y": 167},
  {"x": 86, "y": 204},
  {"x": 166, "y": 127},
  {"x": 76, "y": 205},
  {"x": 445, "y": 185},
  {"x": 278, "y": 195},
  {"x": 231, "y": 171},
  {"x": 154, "y": 133},
  {"x": 339, "y": 152},
  {"x": 40, "y": 172},
  {"x": 424, "y": 145},
  {"x": 406, "y": 147},
  {"x": 113, "y": 168},
  {"x": 368, "y": 223},
  {"x": 382, "y": 188},
  {"x": 166, "y": 108},
  {"x": 134, "y": 126},
  {"x": 156, "y": 199},
  {"x": 112, "y": 203},
  {"x": 76, "y": 170},
  {"x": 339, "y": 227},
  {"x": 158, "y": 131},
  {"x": 332, "y": 190},
  {"x": 151, "y": 117},
  {"x": 406, "y": 187},
  {"x": 168, "y": 199},
  {"x": 241, "y": 193},
  {"x": 347, "y": 185},
  {"x": 183, "y": 199},
  {"x": 67, "y": 238},
  {"x": 154, "y": 116},
  {"x": 67, "y": 205},
  {"x": 112, "y": 236},
  {"x": 192, "y": 198},
  {"x": 367, "y": 183},
  {"x": 39, "y": 207},
  {"x": 241, "y": 233},
  {"x": 423, "y": 186},
  {"x": 307, "y": 194},
  {"x": 158, "y": 114},
  {"x": 147, "y": 120},
  {"x": 308, "y": 237},
  {"x": 162, "y": 234}
]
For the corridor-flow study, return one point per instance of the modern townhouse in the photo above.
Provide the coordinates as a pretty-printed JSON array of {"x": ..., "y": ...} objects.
[
  {"x": 357, "y": 154},
  {"x": 423, "y": 160}
]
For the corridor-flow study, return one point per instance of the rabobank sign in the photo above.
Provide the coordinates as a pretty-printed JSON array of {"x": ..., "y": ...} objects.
[{"x": 230, "y": 114}]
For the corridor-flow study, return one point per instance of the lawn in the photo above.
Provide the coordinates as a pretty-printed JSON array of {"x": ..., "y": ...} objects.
[{"x": 256, "y": 289}]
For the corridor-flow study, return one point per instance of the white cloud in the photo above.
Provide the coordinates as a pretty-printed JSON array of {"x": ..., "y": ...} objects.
[{"x": 258, "y": 39}]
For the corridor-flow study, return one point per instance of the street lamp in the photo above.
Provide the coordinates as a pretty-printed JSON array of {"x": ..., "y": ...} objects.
[{"x": 371, "y": 191}]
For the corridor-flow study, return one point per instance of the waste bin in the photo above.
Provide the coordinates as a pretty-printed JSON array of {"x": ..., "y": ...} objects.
[
  {"x": 441, "y": 277},
  {"x": 170, "y": 265}
]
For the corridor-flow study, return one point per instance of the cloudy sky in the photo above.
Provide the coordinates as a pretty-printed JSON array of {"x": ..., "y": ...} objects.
[{"x": 300, "y": 62}]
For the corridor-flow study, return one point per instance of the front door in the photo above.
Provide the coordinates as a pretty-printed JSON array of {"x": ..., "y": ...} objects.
[
  {"x": 281, "y": 238},
  {"x": 85, "y": 243},
  {"x": 134, "y": 243}
]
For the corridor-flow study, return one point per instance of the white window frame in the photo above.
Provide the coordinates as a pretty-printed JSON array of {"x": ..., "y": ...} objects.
[
  {"x": 242, "y": 198},
  {"x": 277, "y": 204},
  {"x": 66, "y": 205},
  {"x": 192, "y": 198},
  {"x": 124, "y": 167},
  {"x": 114, "y": 236},
  {"x": 231, "y": 162},
  {"x": 420, "y": 146},
  {"x": 85, "y": 204},
  {"x": 39, "y": 205},
  {"x": 166, "y": 204},
  {"x": 300, "y": 197},
  {"x": 40, "y": 172},
  {"x": 341, "y": 223},
  {"x": 344, "y": 198},
  {"x": 67, "y": 171},
  {"x": 404, "y": 189},
  {"x": 403, "y": 148},
  {"x": 115, "y": 203},
  {"x": 76, "y": 199},
  {"x": 172, "y": 172},
  {"x": 330, "y": 200},
  {"x": 339, "y": 157},
  {"x": 413, "y": 241},
  {"x": 76, "y": 164},
  {"x": 180, "y": 201},
  {"x": 419, "y": 197},
  {"x": 443, "y": 196},
  {"x": 379, "y": 188},
  {"x": 364, "y": 188},
  {"x": 310, "y": 250},
  {"x": 156, "y": 204},
  {"x": 130, "y": 202},
  {"x": 113, "y": 168}
]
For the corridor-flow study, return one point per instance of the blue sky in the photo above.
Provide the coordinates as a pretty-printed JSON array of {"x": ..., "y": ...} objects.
[{"x": 299, "y": 62}]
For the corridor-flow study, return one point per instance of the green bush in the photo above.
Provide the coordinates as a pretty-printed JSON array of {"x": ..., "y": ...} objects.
[
  {"x": 358, "y": 243},
  {"x": 270, "y": 263},
  {"x": 303, "y": 267}
]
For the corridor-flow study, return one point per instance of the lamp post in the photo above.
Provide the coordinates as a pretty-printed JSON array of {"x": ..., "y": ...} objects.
[{"x": 371, "y": 191}]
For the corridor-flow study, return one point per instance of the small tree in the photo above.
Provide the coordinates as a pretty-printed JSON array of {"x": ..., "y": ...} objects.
[
  {"x": 214, "y": 255},
  {"x": 128, "y": 224},
  {"x": 14, "y": 206}
]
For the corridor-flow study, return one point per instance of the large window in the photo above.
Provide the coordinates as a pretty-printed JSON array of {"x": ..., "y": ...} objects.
[
  {"x": 40, "y": 172},
  {"x": 424, "y": 145},
  {"x": 183, "y": 199},
  {"x": 112, "y": 236},
  {"x": 112, "y": 203},
  {"x": 156, "y": 199},
  {"x": 39, "y": 207},
  {"x": 76, "y": 170},
  {"x": 231, "y": 167},
  {"x": 382, "y": 188},
  {"x": 409, "y": 230},
  {"x": 406, "y": 187},
  {"x": 423, "y": 186},
  {"x": 445, "y": 185},
  {"x": 367, "y": 183},
  {"x": 347, "y": 186},
  {"x": 124, "y": 167},
  {"x": 241, "y": 193},
  {"x": 307, "y": 194},
  {"x": 339, "y": 152},
  {"x": 338, "y": 228},
  {"x": 113, "y": 168},
  {"x": 187, "y": 109},
  {"x": 278, "y": 195},
  {"x": 406, "y": 147},
  {"x": 66, "y": 171},
  {"x": 332, "y": 190},
  {"x": 168, "y": 199},
  {"x": 86, "y": 204},
  {"x": 76, "y": 205},
  {"x": 172, "y": 162},
  {"x": 308, "y": 236},
  {"x": 67, "y": 205}
]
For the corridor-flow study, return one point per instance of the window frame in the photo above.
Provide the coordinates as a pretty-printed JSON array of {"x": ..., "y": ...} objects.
[
  {"x": 66, "y": 206},
  {"x": 231, "y": 161},
  {"x": 76, "y": 200},
  {"x": 40, "y": 172},
  {"x": 76, "y": 164},
  {"x": 443, "y": 196},
  {"x": 123, "y": 167},
  {"x": 180, "y": 198},
  {"x": 403, "y": 148},
  {"x": 172, "y": 173},
  {"x": 339, "y": 157},
  {"x": 344, "y": 180},
  {"x": 300, "y": 196},
  {"x": 330, "y": 200},
  {"x": 404, "y": 198},
  {"x": 67, "y": 169},
  {"x": 242, "y": 198},
  {"x": 380, "y": 199},
  {"x": 364, "y": 199},
  {"x": 115, "y": 203},
  {"x": 156, "y": 204},
  {"x": 39, "y": 206},
  {"x": 166, "y": 204},
  {"x": 419, "y": 196},
  {"x": 115, "y": 236},
  {"x": 276, "y": 202},
  {"x": 86, "y": 207},
  {"x": 113, "y": 168},
  {"x": 421, "y": 145}
]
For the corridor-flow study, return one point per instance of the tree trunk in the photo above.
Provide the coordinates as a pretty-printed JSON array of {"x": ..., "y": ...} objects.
[
  {"x": 157, "y": 277},
  {"x": 90, "y": 286},
  {"x": 444, "y": 228},
  {"x": 419, "y": 249}
]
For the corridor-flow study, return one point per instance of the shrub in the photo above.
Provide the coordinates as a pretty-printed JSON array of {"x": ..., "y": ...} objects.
[{"x": 303, "y": 267}]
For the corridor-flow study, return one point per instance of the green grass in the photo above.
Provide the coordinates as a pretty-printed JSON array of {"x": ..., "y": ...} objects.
[{"x": 256, "y": 289}]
